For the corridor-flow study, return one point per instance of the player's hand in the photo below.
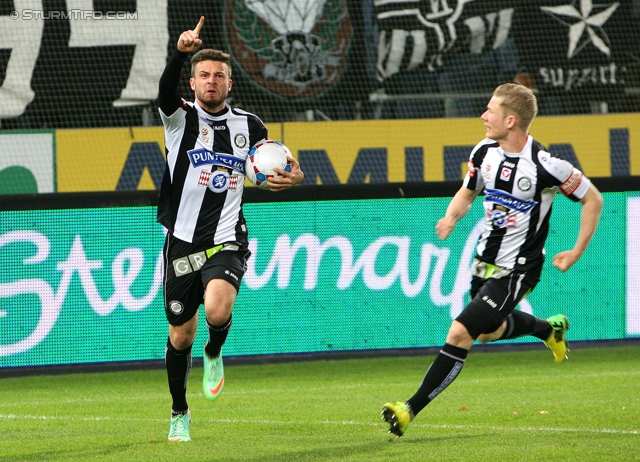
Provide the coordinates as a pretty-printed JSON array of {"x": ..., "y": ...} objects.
[
  {"x": 189, "y": 40},
  {"x": 565, "y": 260},
  {"x": 445, "y": 227},
  {"x": 286, "y": 179}
]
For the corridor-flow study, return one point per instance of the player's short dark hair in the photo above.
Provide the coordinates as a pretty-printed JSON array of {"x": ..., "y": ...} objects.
[
  {"x": 209, "y": 54},
  {"x": 519, "y": 101}
]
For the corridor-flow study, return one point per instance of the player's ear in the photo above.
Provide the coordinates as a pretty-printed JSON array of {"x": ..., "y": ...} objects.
[
  {"x": 191, "y": 83},
  {"x": 230, "y": 84}
]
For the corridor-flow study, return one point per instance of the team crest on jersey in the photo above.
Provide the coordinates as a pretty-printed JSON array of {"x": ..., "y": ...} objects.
[
  {"x": 219, "y": 181},
  {"x": 499, "y": 217},
  {"x": 176, "y": 307},
  {"x": 524, "y": 184},
  {"x": 240, "y": 140}
]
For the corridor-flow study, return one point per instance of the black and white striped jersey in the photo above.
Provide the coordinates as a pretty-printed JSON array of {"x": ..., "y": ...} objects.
[
  {"x": 201, "y": 193},
  {"x": 518, "y": 192}
]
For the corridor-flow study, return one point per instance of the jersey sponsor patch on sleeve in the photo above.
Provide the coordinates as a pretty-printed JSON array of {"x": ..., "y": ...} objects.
[{"x": 572, "y": 183}]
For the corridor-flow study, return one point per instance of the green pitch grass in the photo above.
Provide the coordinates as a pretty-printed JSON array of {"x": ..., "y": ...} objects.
[{"x": 505, "y": 406}]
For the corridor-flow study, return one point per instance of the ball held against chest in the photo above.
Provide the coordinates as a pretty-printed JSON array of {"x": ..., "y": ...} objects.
[{"x": 263, "y": 158}]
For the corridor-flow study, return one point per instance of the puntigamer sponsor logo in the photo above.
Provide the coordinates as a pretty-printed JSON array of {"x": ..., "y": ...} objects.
[
  {"x": 507, "y": 200},
  {"x": 200, "y": 157}
]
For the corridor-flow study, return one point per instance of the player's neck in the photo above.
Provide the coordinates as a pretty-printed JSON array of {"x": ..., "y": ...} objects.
[
  {"x": 212, "y": 110},
  {"x": 515, "y": 142}
]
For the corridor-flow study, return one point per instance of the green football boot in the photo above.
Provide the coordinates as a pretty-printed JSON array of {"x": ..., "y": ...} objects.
[
  {"x": 397, "y": 416},
  {"x": 557, "y": 343},
  {"x": 180, "y": 427},
  {"x": 213, "y": 379}
]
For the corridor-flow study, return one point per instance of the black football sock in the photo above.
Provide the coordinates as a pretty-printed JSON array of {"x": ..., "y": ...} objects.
[
  {"x": 444, "y": 370},
  {"x": 520, "y": 323},
  {"x": 178, "y": 364},
  {"x": 217, "y": 337}
]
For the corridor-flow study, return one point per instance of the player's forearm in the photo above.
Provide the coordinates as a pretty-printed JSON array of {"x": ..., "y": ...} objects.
[
  {"x": 169, "y": 97},
  {"x": 460, "y": 205},
  {"x": 589, "y": 219}
]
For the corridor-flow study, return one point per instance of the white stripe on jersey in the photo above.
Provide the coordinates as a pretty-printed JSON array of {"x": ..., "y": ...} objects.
[
  {"x": 231, "y": 209},
  {"x": 174, "y": 127}
]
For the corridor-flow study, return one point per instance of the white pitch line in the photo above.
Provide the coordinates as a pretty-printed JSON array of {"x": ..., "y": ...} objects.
[{"x": 329, "y": 422}]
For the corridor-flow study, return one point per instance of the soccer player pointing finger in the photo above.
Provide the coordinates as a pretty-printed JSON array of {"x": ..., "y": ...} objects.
[
  {"x": 200, "y": 206},
  {"x": 520, "y": 180}
]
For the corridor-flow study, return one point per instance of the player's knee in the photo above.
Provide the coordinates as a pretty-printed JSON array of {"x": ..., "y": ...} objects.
[
  {"x": 218, "y": 314},
  {"x": 181, "y": 340},
  {"x": 182, "y": 336},
  {"x": 459, "y": 335}
]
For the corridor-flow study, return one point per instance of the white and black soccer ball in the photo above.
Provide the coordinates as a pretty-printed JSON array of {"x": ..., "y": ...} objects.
[{"x": 263, "y": 158}]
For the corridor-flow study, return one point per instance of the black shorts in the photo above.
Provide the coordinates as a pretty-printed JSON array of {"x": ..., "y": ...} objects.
[
  {"x": 188, "y": 268},
  {"x": 492, "y": 300}
]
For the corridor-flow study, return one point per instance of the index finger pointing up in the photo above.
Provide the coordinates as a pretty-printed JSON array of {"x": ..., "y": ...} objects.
[{"x": 199, "y": 26}]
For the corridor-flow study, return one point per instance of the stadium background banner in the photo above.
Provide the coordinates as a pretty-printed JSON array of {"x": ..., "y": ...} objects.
[
  {"x": 82, "y": 285},
  {"x": 84, "y": 63},
  {"x": 352, "y": 152}
]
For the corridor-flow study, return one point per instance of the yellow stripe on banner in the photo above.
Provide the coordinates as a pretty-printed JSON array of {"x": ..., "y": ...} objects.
[
  {"x": 95, "y": 159},
  {"x": 343, "y": 141},
  {"x": 588, "y": 137}
]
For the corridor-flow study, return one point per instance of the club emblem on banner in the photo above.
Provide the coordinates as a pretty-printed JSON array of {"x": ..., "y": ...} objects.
[{"x": 288, "y": 50}]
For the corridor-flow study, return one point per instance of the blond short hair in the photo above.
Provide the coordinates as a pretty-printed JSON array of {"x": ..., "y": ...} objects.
[{"x": 519, "y": 101}]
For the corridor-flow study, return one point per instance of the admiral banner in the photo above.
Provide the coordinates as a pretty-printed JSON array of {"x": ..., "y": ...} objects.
[
  {"x": 436, "y": 150},
  {"x": 353, "y": 152}
]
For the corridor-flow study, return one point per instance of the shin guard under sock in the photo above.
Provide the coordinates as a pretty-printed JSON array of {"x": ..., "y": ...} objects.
[
  {"x": 178, "y": 364},
  {"x": 217, "y": 337},
  {"x": 444, "y": 370}
]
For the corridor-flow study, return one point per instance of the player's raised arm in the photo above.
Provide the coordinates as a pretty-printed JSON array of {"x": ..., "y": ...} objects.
[{"x": 190, "y": 39}]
